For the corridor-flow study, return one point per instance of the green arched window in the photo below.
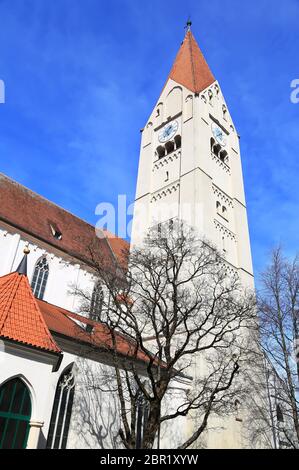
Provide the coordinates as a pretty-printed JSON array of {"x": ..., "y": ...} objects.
[{"x": 15, "y": 414}]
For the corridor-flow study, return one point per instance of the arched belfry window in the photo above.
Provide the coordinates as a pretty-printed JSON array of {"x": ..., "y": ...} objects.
[
  {"x": 40, "y": 277},
  {"x": 96, "y": 304},
  {"x": 15, "y": 414},
  {"x": 62, "y": 411},
  {"x": 169, "y": 146},
  {"x": 161, "y": 151},
  {"x": 178, "y": 141},
  {"x": 215, "y": 148}
]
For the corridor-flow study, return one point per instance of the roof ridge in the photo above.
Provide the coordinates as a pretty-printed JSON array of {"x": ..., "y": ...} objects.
[
  {"x": 192, "y": 61},
  {"x": 23, "y": 187},
  {"x": 11, "y": 296},
  {"x": 20, "y": 311},
  {"x": 39, "y": 212}
]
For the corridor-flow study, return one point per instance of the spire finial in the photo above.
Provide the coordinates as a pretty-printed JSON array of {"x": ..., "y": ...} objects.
[
  {"x": 188, "y": 24},
  {"x": 22, "y": 268}
]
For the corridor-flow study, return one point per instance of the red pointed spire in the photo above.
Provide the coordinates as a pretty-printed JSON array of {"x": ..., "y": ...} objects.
[
  {"x": 190, "y": 68},
  {"x": 20, "y": 317}
]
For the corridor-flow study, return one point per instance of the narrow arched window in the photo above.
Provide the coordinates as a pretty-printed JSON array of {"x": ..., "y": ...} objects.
[
  {"x": 223, "y": 156},
  {"x": 15, "y": 414},
  {"x": 40, "y": 278},
  {"x": 279, "y": 413},
  {"x": 178, "y": 141},
  {"x": 62, "y": 411},
  {"x": 96, "y": 304},
  {"x": 161, "y": 151}
]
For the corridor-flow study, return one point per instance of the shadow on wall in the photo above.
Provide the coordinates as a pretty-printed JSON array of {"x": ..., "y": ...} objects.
[
  {"x": 42, "y": 441},
  {"x": 95, "y": 421}
]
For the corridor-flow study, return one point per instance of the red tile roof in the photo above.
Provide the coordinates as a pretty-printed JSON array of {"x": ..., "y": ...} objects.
[
  {"x": 33, "y": 214},
  {"x": 20, "y": 317},
  {"x": 190, "y": 68},
  {"x": 62, "y": 322},
  {"x": 32, "y": 322}
]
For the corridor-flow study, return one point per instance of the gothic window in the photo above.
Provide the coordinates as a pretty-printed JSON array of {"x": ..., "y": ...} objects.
[
  {"x": 15, "y": 414},
  {"x": 40, "y": 278},
  {"x": 210, "y": 95},
  {"x": 178, "y": 141},
  {"x": 96, "y": 305},
  {"x": 218, "y": 205},
  {"x": 62, "y": 411},
  {"x": 169, "y": 146}
]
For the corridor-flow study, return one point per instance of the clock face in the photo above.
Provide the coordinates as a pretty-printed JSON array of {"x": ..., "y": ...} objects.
[
  {"x": 168, "y": 131},
  {"x": 219, "y": 134}
]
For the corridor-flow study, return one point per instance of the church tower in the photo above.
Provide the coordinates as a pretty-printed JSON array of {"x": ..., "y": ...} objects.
[{"x": 190, "y": 163}]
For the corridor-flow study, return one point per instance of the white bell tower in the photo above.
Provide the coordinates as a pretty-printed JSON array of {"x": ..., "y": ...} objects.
[{"x": 190, "y": 163}]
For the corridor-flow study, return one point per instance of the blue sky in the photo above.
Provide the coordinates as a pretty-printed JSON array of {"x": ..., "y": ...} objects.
[{"x": 83, "y": 75}]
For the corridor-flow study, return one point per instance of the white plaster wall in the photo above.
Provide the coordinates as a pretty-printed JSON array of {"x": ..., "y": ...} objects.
[
  {"x": 35, "y": 369},
  {"x": 64, "y": 273},
  {"x": 93, "y": 411},
  {"x": 203, "y": 179},
  {"x": 196, "y": 171}
]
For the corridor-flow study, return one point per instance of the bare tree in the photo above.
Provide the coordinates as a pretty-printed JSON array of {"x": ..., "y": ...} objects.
[
  {"x": 278, "y": 306},
  {"x": 184, "y": 312}
]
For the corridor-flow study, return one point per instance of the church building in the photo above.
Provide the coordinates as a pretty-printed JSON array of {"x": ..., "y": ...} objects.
[{"x": 189, "y": 168}]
